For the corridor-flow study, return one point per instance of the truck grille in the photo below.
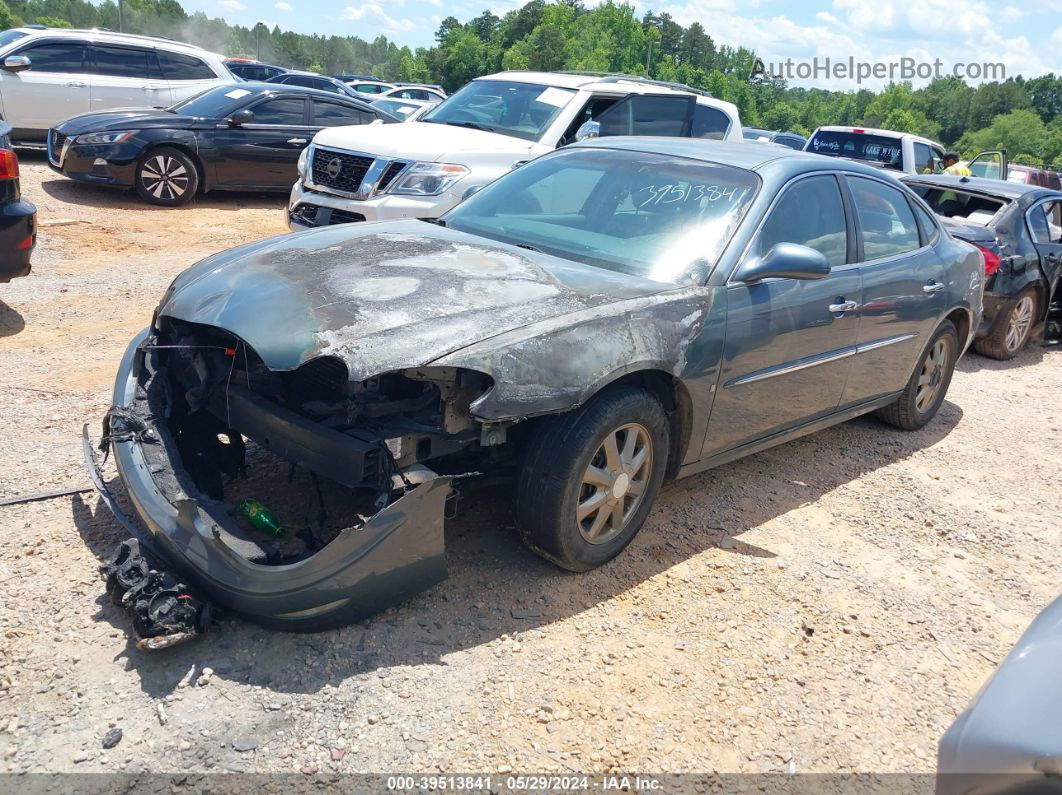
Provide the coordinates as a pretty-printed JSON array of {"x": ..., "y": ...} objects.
[{"x": 338, "y": 170}]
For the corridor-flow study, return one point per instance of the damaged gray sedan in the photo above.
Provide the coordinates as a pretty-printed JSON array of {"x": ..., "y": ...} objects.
[{"x": 607, "y": 316}]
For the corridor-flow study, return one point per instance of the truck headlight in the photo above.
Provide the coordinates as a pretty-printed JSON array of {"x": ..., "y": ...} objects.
[
  {"x": 428, "y": 179},
  {"x": 304, "y": 158},
  {"x": 105, "y": 137}
]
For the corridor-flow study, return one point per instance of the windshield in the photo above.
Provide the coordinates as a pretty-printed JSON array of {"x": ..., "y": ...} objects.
[
  {"x": 9, "y": 36},
  {"x": 213, "y": 103},
  {"x": 651, "y": 215},
  {"x": 859, "y": 146},
  {"x": 522, "y": 110}
]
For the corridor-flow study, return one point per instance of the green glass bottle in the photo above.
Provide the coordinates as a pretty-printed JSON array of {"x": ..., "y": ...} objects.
[{"x": 261, "y": 518}]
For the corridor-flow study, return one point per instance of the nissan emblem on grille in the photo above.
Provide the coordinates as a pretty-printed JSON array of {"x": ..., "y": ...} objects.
[{"x": 334, "y": 167}]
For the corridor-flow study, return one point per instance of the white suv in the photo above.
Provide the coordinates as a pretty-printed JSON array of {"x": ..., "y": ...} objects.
[
  {"x": 48, "y": 75},
  {"x": 496, "y": 122},
  {"x": 888, "y": 149}
]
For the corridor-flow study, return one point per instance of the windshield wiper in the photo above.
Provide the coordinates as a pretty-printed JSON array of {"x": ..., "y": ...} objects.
[
  {"x": 473, "y": 125},
  {"x": 529, "y": 247}
]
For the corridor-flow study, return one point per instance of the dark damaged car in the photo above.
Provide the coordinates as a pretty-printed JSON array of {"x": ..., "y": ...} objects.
[{"x": 607, "y": 316}]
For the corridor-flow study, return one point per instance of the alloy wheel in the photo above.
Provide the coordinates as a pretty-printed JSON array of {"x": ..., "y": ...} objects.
[
  {"x": 1019, "y": 323},
  {"x": 165, "y": 177},
  {"x": 614, "y": 483},
  {"x": 934, "y": 368}
]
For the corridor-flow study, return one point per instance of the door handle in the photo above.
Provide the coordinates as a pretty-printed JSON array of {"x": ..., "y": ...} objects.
[
  {"x": 150, "y": 88},
  {"x": 844, "y": 306},
  {"x": 75, "y": 84},
  {"x": 296, "y": 140},
  {"x": 933, "y": 287}
]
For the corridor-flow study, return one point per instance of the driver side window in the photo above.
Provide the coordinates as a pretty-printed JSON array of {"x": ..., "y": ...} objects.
[{"x": 810, "y": 213}]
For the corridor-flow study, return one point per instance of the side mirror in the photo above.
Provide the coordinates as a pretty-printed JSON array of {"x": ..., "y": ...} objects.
[
  {"x": 785, "y": 261},
  {"x": 16, "y": 63},
  {"x": 240, "y": 117},
  {"x": 470, "y": 191},
  {"x": 588, "y": 129}
]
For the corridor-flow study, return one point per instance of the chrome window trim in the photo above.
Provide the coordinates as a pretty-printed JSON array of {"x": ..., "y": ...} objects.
[
  {"x": 1028, "y": 225},
  {"x": 786, "y": 369}
]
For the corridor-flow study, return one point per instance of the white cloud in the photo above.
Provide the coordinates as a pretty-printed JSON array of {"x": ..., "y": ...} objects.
[
  {"x": 372, "y": 12},
  {"x": 233, "y": 5},
  {"x": 1056, "y": 37},
  {"x": 282, "y": 6}
]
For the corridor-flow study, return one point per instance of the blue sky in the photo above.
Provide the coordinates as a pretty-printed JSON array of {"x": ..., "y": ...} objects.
[{"x": 1025, "y": 37}]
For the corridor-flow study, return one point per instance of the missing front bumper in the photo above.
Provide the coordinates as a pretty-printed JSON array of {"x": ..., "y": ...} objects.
[{"x": 388, "y": 558}]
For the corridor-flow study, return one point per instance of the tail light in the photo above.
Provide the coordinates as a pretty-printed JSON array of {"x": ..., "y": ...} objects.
[
  {"x": 991, "y": 258},
  {"x": 8, "y": 164}
]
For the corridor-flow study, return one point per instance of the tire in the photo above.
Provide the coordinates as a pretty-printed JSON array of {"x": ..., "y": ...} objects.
[
  {"x": 552, "y": 486},
  {"x": 914, "y": 407},
  {"x": 1011, "y": 329},
  {"x": 179, "y": 177}
]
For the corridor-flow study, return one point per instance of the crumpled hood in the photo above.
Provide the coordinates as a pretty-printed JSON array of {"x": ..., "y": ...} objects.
[
  {"x": 384, "y": 296},
  {"x": 124, "y": 119},
  {"x": 418, "y": 140}
]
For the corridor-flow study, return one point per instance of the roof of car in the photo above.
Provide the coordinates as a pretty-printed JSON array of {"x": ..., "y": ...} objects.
[
  {"x": 110, "y": 35},
  {"x": 742, "y": 154},
  {"x": 261, "y": 85},
  {"x": 993, "y": 187},
  {"x": 876, "y": 131}
]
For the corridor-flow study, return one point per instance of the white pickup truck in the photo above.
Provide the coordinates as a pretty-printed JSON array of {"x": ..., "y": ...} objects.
[{"x": 492, "y": 124}]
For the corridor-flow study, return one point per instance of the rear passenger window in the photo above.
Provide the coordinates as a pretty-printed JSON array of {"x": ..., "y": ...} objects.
[
  {"x": 184, "y": 67},
  {"x": 332, "y": 114},
  {"x": 284, "y": 111},
  {"x": 887, "y": 223},
  {"x": 810, "y": 213},
  {"x": 68, "y": 57},
  {"x": 709, "y": 123},
  {"x": 124, "y": 62},
  {"x": 929, "y": 226}
]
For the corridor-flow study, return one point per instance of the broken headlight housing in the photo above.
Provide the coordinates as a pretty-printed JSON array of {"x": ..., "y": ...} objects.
[{"x": 428, "y": 179}]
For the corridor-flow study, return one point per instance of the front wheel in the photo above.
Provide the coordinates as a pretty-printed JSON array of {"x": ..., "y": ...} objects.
[
  {"x": 925, "y": 391},
  {"x": 167, "y": 177},
  {"x": 590, "y": 477}
]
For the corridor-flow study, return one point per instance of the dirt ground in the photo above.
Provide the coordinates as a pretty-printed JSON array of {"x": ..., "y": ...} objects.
[{"x": 829, "y": 605}]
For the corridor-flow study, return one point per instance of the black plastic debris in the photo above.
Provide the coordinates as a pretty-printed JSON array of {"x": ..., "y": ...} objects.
[
  {"x": 164, "y": 612},
  {"x": 112, "y": 738}
]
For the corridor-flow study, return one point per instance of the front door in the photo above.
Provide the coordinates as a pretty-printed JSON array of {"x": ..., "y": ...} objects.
[
  {"x": 789, "y": 343},
  {"x": 263, "y": 153},
  {"x": 904, "y": 289},
  {"x": 54, "y": 88}
]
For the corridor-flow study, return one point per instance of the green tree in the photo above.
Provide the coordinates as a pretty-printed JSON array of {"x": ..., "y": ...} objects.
[{"x": 1021, "y": 132}]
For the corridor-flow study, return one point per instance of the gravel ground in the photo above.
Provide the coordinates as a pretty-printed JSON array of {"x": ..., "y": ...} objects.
[{"x": 829, "y": 605}]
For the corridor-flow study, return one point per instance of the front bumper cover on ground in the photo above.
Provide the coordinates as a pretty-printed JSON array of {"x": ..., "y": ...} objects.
[{"x": 392, "y": 556}]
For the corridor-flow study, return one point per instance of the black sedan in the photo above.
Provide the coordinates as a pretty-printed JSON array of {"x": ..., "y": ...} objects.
[
  {"x": 18, "y": 218},
  {"x": 245, "y": 136},
  {"x": 1019, "y": 231}
]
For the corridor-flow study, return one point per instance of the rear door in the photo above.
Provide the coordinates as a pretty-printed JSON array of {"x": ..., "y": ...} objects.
[
  {"x": 789, "y": 343},
  {"x": 264, "y": 153},
  {"x": 126, "y": 77},
  {"x": 54, "y": 88},
  {"x": 1045, "y": 227},
  {"x": 904, "y": 287},
  {"x": 186, "y": 75},
  {"x": 649, "y": 114}
]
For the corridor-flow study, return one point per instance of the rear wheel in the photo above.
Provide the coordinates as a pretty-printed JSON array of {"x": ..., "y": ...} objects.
[
  {"x": 1012, "y": 328},
  {"x": 166, "y": 176},
  {"x": 590, "y": 477},
  {"x": 928, "y": 386}
]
